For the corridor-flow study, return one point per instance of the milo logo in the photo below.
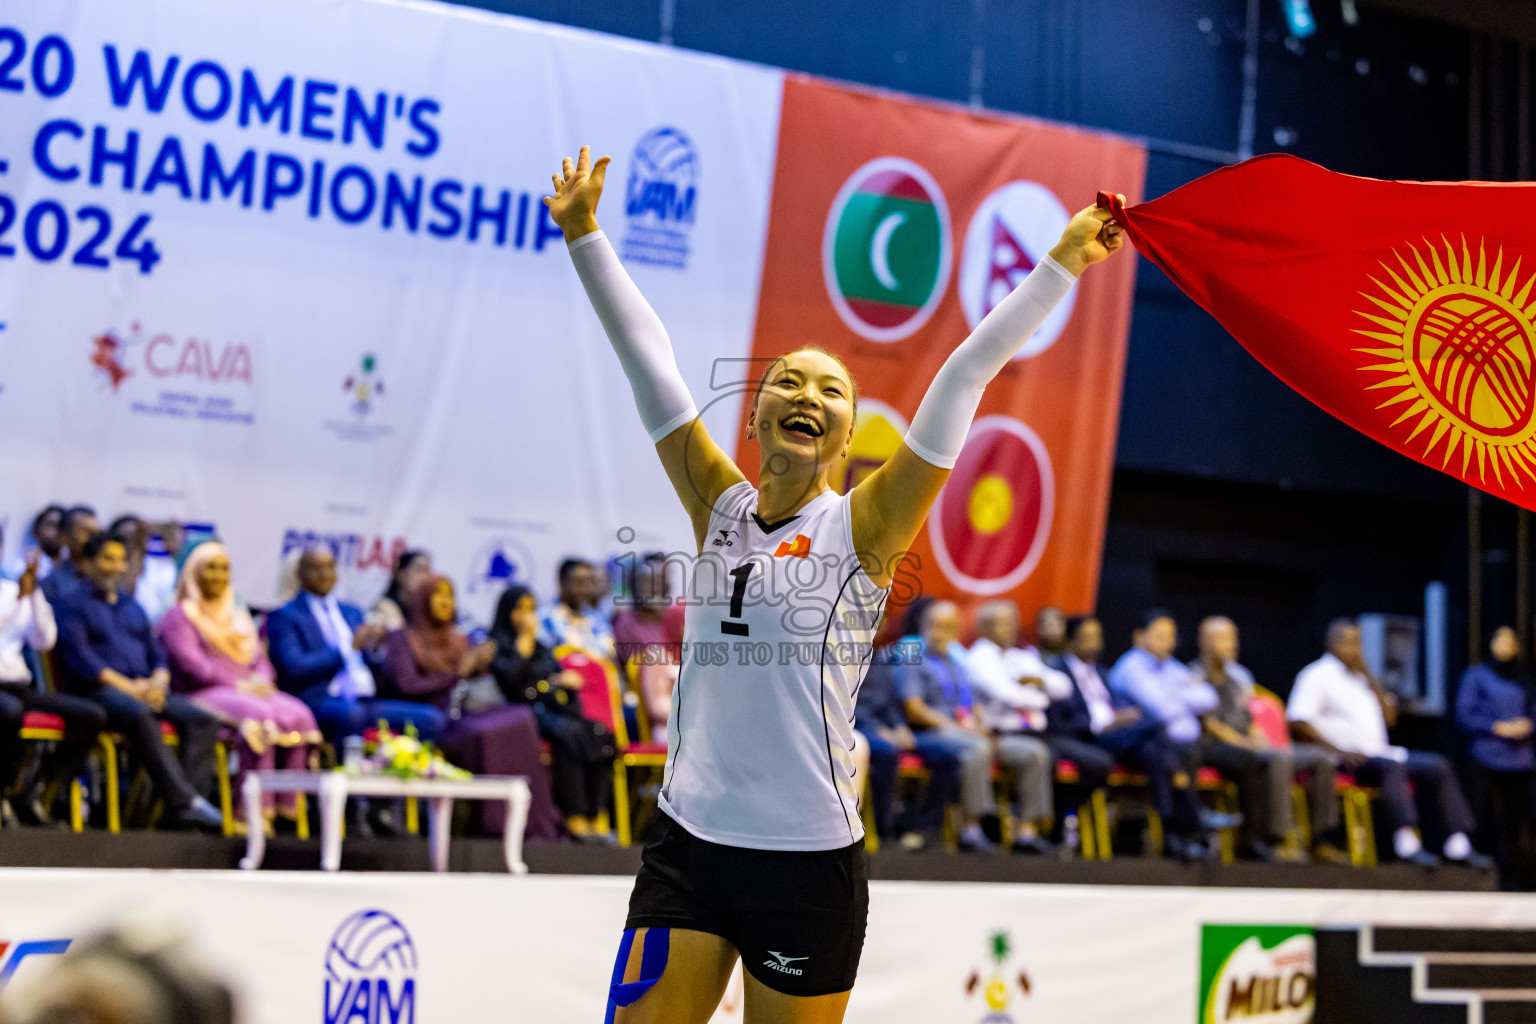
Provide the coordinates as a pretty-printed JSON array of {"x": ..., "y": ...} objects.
[
  {"x": 886, "y": 250},
  {"x": 1257, "y": 973}
]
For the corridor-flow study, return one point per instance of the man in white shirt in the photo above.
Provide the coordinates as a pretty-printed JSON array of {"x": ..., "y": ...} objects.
[
  {"x": 26, "y": 620},
  {"x": 1014, "y": 685},
  {"x": 1337, "y": 704}
]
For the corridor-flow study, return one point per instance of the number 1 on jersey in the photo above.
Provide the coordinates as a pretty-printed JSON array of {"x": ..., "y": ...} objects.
[{"x": 738, "y": 595}]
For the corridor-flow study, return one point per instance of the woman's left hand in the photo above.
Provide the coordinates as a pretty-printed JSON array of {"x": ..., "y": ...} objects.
[{"x": 1090, "y": 238}]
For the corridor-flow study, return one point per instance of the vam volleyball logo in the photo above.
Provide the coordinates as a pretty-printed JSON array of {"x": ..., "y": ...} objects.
[
  {"x": 993, "y": 516},
  {"x": 886, "y": 250},
  {"x": 1013, "y": 230},
  {"x": 370, "y": 971},
  {"x": 660, "y": 198}
]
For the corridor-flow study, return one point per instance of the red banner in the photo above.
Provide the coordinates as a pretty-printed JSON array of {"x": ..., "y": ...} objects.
[
  {"x": 895, "y": 227},
  {"x": 1403, "y": 308}
]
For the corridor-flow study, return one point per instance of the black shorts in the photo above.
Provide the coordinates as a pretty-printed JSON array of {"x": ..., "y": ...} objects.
[{"x": 796, "y": 917}]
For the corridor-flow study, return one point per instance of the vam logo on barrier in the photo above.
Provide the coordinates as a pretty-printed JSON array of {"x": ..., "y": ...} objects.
[{"x": 370, "y": 971}]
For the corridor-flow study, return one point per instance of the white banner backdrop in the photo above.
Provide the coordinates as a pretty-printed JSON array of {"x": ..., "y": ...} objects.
[
  {"x": 282, "y": 266},
  {"x": 482, "y": 948}
]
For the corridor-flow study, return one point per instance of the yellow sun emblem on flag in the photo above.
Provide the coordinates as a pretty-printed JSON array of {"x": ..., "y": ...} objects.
[{"x": 1461, "y": 347}]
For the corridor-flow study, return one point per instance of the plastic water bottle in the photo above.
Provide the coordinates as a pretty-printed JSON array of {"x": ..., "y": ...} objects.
[{"x": 352, "y": 754}]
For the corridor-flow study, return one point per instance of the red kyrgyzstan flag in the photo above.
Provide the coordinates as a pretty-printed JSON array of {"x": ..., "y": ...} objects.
[{"x": 1404, "y": 308}]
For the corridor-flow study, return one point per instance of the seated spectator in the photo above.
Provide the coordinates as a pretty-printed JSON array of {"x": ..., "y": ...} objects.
[
  {"x": 528, "y": 675},
  {"x": 1172, "y": 695},
  {"x": 880, "y": 717},
  {"x": 44, "y": 535},
  {"x": 411, "y": 568},
  {"x": 1495, "y": 707},
  {"x": 26, "y": 619},
  {"x": 1051, "y": 632},
  {"x": 318, "y": 647},
  {"x": 1338, "y": 705},
  {"x": 217, "y": 659},
  {"x": 110, "y": 655},
  {"x": 1095, "y": 728},
  {"x": 1236, "y": 746},
  {"x": 938, "y": 698},
  {"x": 649, "y": 633},
  {"x": 574, "y": 618},
  {"x": 425, "y": 662},
  {"x": 153, "y": 550},
  {"x": 76, "y": 526},
  {"x": 1013, "y": 687}
]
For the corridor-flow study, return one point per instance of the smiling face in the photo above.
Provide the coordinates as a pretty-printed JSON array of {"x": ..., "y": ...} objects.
[
  {"x": 804, "y": 411},
  {"x": 213, "y": 580},
  {"x": 441, "y": 605}
]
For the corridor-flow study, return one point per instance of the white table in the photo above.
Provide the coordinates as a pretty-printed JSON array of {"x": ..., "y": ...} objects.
[{"x": 334, "y": 787}]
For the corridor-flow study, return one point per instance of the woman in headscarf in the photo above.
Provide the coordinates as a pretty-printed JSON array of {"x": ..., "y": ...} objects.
[
  {"x": 218, "y": 660},
  {"x": 425, "y": 662},
  {"x": 528, "y": 675},
  {"x": 411, "y": 568},
  {"x": 1495, "y": 707}
]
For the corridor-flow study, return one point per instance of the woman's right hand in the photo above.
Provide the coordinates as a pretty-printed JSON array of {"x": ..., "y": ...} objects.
[{"x": 573, "y": 207}]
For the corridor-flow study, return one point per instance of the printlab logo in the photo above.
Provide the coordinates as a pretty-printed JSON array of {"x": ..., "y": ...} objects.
[
  {"x": 365, "y": 386},
  {"x": 1012, "y": 230},
  {"x": 1258, "y": 973},
  {"x": 661, "y": 198},
  {"x": 13, "y": 953},
  {"x": 885, "y": 253},
  {"x": 370, "y": 971},
  {"x": 500, "y": 562},
  {"x": 996, "y": 988}
]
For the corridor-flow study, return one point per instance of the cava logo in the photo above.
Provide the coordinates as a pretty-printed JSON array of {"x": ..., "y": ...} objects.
[
  {"x": 1458, "y": 338},
  {"x": 370, "y": 971},
  {"x": 1259, "y": 974},
  {"x": 886, "y": 250},
  {"x": 1012, "y": 231}
]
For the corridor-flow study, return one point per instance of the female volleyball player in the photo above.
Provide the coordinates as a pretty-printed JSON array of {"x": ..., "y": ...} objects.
[{"x": 758, "y": 849}]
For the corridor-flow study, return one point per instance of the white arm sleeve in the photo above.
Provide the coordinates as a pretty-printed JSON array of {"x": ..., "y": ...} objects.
[
  {"x": 944, "y": 418},
  {"x": 636, "y": 334}
]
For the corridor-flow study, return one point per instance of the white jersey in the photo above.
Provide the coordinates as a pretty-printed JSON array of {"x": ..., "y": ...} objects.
[{"x": 779, "y": 630}]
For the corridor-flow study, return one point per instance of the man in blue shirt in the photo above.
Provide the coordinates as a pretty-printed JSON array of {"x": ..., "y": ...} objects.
[
  {"x": 110, "y": 655},
  {"x": 1168, "y": 692},
  {"x": 936, "y": 693}
]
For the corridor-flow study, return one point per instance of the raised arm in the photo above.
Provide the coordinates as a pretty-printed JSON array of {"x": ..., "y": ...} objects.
[
  {"x": 699, "y": 470},
  {"x": 890, "y": 504}
]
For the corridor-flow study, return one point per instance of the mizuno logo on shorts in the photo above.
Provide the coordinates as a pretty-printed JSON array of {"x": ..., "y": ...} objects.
[{"x": 783, "y": 962}]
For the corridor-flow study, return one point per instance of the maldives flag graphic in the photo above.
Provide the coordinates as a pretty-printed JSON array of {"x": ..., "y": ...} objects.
[
  {"x": 1403, "y": 308},
  {"x": 886, "y": 252}
]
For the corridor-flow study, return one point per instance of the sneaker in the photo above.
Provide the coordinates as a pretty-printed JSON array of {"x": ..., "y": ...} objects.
[
  {"x": 1215, "y": 821},
  {"x": 1423, "y": 859},
  {"x": 1475, "y": 860},
  {"x": 912, "y": 842},
  {"x": 1034, "y": 846},
  {"x": 201, "y": 814},
  {"x": 973, "y": 841},
  {"x": 7, "y": 815},
  {"x": 1258, "y": 851}
]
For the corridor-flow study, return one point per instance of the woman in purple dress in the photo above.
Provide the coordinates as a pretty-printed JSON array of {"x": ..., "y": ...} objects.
[
  {"x": 425, "y": 662},
  {"x": 218, "y": 660}
]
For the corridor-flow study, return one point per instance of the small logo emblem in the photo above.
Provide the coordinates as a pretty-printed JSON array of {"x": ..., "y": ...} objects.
[
  {"x": 801, "y": 548},
  {"x": 364, "y": 386},
  {"x": 783, "y": 962},
  {"x": 370, "y": 971},
  {"x": 108, "y": 359},
  {"x": 661, "y": 198},
  {"x": 724, "y": 540}
]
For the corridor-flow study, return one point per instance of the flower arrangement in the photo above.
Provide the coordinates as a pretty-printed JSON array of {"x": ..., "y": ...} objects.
[{"x": 404, "y": 757}]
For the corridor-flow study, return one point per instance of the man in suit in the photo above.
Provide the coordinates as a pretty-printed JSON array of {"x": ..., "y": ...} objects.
[
  {"x": 111, "y": 656},
  {"x": 1094, "y": 729},
  {"x": 319, "y": 647}
]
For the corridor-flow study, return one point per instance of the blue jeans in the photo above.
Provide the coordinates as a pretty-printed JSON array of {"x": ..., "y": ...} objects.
[{"x": 340, "y": 717}]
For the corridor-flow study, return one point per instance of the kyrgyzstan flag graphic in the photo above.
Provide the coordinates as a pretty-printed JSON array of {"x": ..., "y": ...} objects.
[{"x": 1403, "y": 308}]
